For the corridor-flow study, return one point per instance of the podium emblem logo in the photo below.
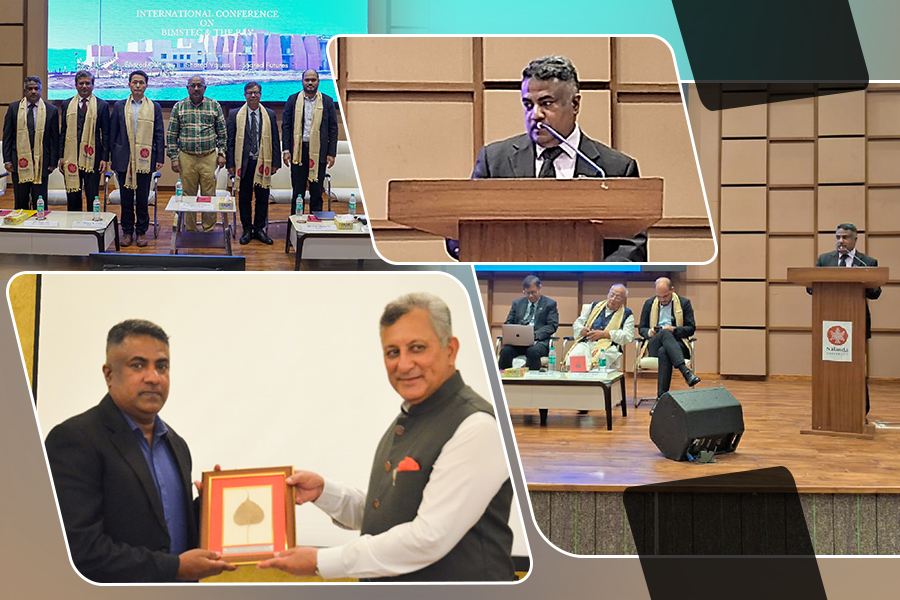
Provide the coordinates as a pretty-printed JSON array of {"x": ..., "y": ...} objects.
[{"x": 837, "y": 335}]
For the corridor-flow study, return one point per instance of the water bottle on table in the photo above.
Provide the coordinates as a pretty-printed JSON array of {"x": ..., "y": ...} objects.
[
  {"x": 601, "y": 366},
  {"x": 352, "y": 209},
  {"x": 298, "y": 206},
  {"x": 96, "y": 208},
  {"x": 179, "y": 189},
  {"x": 551, "y": 359},
  {"x": 40, "y": 209}
]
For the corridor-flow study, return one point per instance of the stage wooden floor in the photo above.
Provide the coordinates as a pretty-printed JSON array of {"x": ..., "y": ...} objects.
[{"x": 577, "y": 453}]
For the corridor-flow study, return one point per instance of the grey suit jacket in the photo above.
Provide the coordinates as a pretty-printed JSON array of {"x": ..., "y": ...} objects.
[
  {"x": 831, "y": 259},
  {"x": 515, "y": 157}
]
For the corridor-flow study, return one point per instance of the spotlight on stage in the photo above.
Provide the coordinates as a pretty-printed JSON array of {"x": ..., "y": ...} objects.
[{"x": 686, "y": 424}]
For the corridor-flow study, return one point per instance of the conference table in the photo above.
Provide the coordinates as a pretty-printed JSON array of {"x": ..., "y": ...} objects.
[
  {"x": 578, "y": 391},
  {"x": 189, "y": 205},
  {"x": 323, "y": 240},
  {"x": 64, "y": 233}
]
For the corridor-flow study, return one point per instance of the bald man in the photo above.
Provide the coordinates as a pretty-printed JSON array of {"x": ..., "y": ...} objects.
[{"x": 667, "y": 321}]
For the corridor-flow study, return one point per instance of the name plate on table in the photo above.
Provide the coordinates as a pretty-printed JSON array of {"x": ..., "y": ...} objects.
[
  {"x": 543, "y": 375},
  {"x": 226, "y": 205},
  {"x": 89, "y": 224},
  {"x": 318, "y": 227},
  {"x": 36, "y": 223},
  {"x": 197, "y": 207}
]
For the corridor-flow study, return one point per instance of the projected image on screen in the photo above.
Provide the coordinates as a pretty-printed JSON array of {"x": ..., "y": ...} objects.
[{"x": 227, "y": 42}]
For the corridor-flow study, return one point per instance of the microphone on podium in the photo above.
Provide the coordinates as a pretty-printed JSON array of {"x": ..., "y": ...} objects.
[{"x": 580, "y": 154}]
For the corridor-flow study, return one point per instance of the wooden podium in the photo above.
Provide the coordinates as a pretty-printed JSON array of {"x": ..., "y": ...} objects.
[
  {"x": 528, "y": 220},
  {"x": 838, "y": 387}
]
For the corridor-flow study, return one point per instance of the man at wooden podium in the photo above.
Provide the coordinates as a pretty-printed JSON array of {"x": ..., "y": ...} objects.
[
  {"x": 551, "y": 98},
  {"x": 846, "y": 255}
]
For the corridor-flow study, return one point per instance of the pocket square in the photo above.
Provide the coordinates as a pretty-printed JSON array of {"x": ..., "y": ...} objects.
[{"x": 408, "y": 464}]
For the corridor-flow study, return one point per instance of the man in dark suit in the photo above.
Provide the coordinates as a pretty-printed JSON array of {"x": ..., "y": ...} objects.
[
  {"x": 667, "y": 321},
  {"x": 249, "y": 177},
  {"x": 846, "y": 255},
  {"x": 134, "y": 171},
  {"x": 309, "y": 130},
  {"x": 83, "y": 156},
  {"x": 539, "y": 311},
  {"x": 17, "y": 160},
  {"x": 550, "y": 96},
  {"x": 122, "y": 476}
]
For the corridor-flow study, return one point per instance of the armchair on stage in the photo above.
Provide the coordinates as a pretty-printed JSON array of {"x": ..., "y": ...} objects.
[
  {"x": 528, "y": 220},
  {"x": 839, "y": 350}
]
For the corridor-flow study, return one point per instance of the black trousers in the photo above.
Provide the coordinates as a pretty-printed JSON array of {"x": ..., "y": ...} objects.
[
  {"x": 300, "y": 179},
  {"x": 245, "y": 199},
  {"x": 135, "y": 202},
  {"x": 533, "y": 355},
  {"x": 671, "y": 352},
  {"x": 90, "y": 185},
  {"x": 26, "y": 194}
]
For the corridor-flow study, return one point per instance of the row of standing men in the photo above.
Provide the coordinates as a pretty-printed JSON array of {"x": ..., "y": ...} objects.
[{"x": 132, "y": 141}]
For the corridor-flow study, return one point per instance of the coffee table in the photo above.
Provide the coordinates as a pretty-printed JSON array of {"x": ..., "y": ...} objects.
[
  {"x": 63, "y": 232},
  {"x": 184, "y": 205},
  {"x": 322, "y": 240},
  {"x": 579, "y": 391}
]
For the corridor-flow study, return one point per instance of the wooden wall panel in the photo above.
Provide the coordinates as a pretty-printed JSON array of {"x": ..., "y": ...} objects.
[
  {"x": 565, "y": 292},
  {"x": 743, "y": 209},
  {"x": 505, "y": 57},
  {"x": 884, "y": 156},
  {"x": 842, "y": 114},
  {"x": 706, "y": 350},
  {"x": 748, "y": 120},
  {"x": 792, "y": 211},
  {"x": 842, "y": 160},
  {"x": 791, "y": 163},
  {"x": 704, "y": 298},
  {"x": 408, "y": 153},
  {"x": 790, "y": 353},
  {"x": 406, "y": 250},
  {"x": 792, "y": 118},
  {"x": 887, "y": 250},
  {"x": 743, "y": 162},
  {"x": 645, "y": 60},
  {"x": 11, "y": 89},
  {"x": 742, "y": 352},
  {"x": 883, "y": 355},
  {"x": 742, "y": 256},
  {"x": 13, "y": 50},
  {"x": 884, "y": 113},
  {"x": 884, "y": 210},
  {"x": 743, "y": 303},
  {"x": 787, "y": 252},
  {"x": 657, "y": 135},
  {"x": 425, "y": 59},
  {"x": 789, "y": 306},
  {"x": 679, "y": 250},
  {"x": 13, "y": 11},
  {"x": 884, "y": 310},
  {"x": 841, "y": 204}
]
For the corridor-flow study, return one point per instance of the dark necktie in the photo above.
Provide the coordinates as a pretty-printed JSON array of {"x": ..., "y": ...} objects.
[
  {"x": 83, "y": 105},
  {"x": 30, "y": 122},
  {"x": 548, "y": 156},
  {"x": 845, "y": 260},
  {"x": 254, "y": 135},
  {"x": 529, "y": 314}
]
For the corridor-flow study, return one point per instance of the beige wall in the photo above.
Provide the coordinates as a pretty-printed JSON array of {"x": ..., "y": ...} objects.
[{"x": 423, "y": 107}]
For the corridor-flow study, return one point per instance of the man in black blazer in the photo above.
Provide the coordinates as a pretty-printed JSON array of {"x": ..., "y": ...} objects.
[
  {"x": 550, "y": 96},
  {"x": 135, "y": 200},
  {"x": 250, "y": 158},
  {"x": 667, "y": 321},
  {"x": 299, "y": 113},
  {"x": 846, "y": 255},
  {"x": 89, "y": 179},
  {"x": 122, "y": 476},
  {"x": 537, "y": 310},
  {"x": 26, "y": 193}
]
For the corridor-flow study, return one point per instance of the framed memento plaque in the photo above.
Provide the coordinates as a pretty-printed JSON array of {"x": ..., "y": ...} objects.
[{"x": 247, "y": 514}]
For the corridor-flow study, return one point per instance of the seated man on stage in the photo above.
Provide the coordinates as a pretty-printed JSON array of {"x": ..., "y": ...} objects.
[
  {"x": 667, "y": 322},
  {"x": 551, "y": 99},
  {"x": 538, "y": 311},
  {"x": 604, "y": 326},
  {"x": 846, "y": 255}
]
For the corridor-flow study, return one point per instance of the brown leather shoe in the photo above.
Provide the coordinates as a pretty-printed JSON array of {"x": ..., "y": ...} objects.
[
  {"x": 141, "y": 241},
  {"x": 126, "y": 240}
]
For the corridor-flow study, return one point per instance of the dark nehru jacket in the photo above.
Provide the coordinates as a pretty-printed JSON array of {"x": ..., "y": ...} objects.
[{"x": 484, "y": 552}]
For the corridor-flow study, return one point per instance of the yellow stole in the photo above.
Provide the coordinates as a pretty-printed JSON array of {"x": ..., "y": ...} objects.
[
  {"x": 602, "y": 344},
  {"x": 654, "y": 320},
  {"x": 140, "y": 141},
  {"x": 263, "y": 175},
  {"x": 30, "y": 167},
  {"x": 79, "y": 154},
  {"x": 314, "y": 138}
]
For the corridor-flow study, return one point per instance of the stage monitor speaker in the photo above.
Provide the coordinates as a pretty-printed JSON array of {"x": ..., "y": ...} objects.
[{"x": 689, "y": 422}]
